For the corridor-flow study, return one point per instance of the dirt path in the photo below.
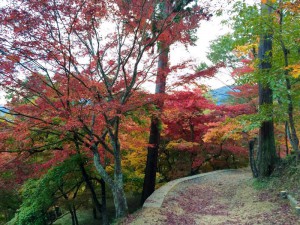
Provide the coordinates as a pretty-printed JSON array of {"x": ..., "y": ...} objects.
[{"x": 224, "y": 198}]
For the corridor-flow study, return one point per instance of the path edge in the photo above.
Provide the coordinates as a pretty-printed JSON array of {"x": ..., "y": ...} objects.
[{"x": 155, "y": 200}]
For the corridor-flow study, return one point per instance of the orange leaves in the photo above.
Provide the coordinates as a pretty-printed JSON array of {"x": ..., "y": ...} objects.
[
  {"x": 268, "y": 1},
  {"x": 14, "y": 58},
  {"x": 182, "y": 145},
  {"x": 294, "y": 70},
  {"x": 223, "y": 131},
  {"x": 292, "y": 6}
]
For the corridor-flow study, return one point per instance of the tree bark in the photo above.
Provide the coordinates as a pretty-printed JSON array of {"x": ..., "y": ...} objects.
[
  {"x": 103, "y": 198},
  {"x": 75, "y": 215},
  {"x": 118, "y": 188},
  {"x": 116, "y": 185},
  {"x": 252, "y": 158},
  {"x": 154, "y": 139},
  {"x": 286, "y": 136},
  {"x": 91, "y": 187},
  {"x": 267, "y": 150}
]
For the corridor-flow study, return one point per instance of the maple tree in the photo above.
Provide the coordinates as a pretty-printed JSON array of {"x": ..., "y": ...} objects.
[
  {"x": 188, "y": 119},
  {"x": 189, "y": 21},
  {"x": 70, "y": 80},
  {"x": 185, "y": 118}
]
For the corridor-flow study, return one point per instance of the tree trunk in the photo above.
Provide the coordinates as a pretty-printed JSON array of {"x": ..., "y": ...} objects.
[
  {"x": 154, "y": 139},
  {"x": 91, "y": 187},
  {"x": 152, "y": 157},
  {"x": 73, "y": 214},
  {"x": 267, "y": 150},
  {"x": 293, "y": 136},
  {"x": 103, "y": 198},
  {"x": 120, "y": 201},
  {"x": 118, "y": 189},
  {"x": 286, "y": 136},
  {"x": 252, "y": 158},
  {"x": 115, "y": 185},
  {"x": 100, "y": 208},
  {"x": 72, "y": 217}
]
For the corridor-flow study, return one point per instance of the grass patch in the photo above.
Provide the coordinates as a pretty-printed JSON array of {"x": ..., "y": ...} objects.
[{"x": 260, "y": 184}]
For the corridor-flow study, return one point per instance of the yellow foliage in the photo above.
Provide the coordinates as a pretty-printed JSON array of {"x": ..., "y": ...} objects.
[
  {"x": 292, "y": 6},
  {"x": 244, "y": 49},
  {"x": 295, "y": 70},
  {"x": 268, "y": 1},
  {"x": 182, "y": 145},
  {"x": 223, "y": 131}
]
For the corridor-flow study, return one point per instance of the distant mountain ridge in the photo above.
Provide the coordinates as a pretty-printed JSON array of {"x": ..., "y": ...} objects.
[
  {"x": 220, "y": 95},
  {"x": 2, "y": 109}
]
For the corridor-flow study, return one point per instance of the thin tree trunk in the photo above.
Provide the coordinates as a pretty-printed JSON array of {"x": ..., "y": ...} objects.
[
  {"x": 286, "y": 137},
  {"x": 72, "y": 216},
  {"x": 293, "y": 138},
  {"x": 75, "y": 215},
  {"x": 103, "y": 198},
  {"x": 267, "y": 151},
  {"x": 154, "y": 139},
  {"x": 91, "y": 187}
]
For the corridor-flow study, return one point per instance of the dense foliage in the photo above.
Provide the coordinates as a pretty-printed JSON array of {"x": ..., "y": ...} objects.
[{"x": 75, "y": 127}]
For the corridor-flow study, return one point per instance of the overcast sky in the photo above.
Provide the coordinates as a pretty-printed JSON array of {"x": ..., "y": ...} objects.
[{"x": 208, "y": 31}]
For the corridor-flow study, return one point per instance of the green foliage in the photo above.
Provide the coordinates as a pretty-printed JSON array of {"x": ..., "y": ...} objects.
[
  {"x": 9, "y": 203},
  {"x": 38, "y": 195},
  {"x": 246, "y": 23},
  {"x": 221, "y": 50},
  {"x": 201, "y": 67}
]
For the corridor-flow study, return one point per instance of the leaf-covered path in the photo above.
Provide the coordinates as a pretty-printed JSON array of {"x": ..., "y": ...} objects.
[{"x": 222, "y": 198}]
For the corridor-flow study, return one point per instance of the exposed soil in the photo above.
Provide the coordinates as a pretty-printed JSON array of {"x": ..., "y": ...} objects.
[{"x": 226, "y": 198}]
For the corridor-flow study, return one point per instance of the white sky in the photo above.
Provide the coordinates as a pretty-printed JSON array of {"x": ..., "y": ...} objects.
[{"x": 208, "y": 31}]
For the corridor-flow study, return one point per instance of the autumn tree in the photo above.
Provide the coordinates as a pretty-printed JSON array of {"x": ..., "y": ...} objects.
[
  {"x": 73, "y": 70},
  {"x": 187, "y": 23},
  {"x": 185, "y": 120}
]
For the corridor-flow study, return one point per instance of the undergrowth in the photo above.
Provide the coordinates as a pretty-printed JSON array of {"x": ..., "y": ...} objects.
[{"x": 286, "y": 176}]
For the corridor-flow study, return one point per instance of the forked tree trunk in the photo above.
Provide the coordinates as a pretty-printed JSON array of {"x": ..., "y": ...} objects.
[
  {"x": 100, "y": 208},
  {"x": 74, "y": 215},
  {"x": 267, "y": 151},
  {"x": 116, "y": 184}
]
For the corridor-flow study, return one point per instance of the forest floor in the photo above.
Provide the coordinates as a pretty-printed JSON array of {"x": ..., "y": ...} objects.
[{"x": 223, "y": 198}]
